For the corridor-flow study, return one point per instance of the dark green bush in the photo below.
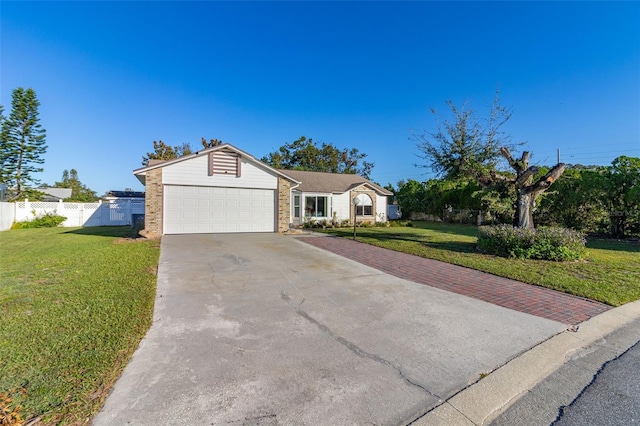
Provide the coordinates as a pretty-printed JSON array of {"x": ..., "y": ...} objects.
[
  {"x": 558, "y": 244},
  {"x": 399, "y": 223},
  {"x": 48, "y": 220}
]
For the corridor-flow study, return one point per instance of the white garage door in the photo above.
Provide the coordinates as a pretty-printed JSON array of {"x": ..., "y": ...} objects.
[{"x": 205, "y": 210}]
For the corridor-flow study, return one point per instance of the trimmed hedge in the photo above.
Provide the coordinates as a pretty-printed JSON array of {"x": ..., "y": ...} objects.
[{"x": 558, "y": 244}]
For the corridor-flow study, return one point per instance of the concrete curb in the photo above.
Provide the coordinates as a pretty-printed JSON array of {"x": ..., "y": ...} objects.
[{"x": 486, "y": 399}]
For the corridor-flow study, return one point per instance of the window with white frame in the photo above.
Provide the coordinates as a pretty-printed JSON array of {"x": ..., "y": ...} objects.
[
  {"x": 315, "y": 206},
  {"x": 296, "y": 206},
  {"x": 364, "y": 206}
]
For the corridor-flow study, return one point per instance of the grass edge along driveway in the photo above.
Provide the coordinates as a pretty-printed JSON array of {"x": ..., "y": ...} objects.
[
  {"x": 610, "y": 273},
  {"x": 74, "y": 303}
]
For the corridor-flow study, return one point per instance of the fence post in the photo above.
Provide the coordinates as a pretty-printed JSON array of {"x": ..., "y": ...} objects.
[{"x": 60, "y": 209}]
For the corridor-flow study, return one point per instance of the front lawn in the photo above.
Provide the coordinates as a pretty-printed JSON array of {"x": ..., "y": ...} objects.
[
  {"x": 610, "y": 274},
  {"x": 74, "y": 304}
]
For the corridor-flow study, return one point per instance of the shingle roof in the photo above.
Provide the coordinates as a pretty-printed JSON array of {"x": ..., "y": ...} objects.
[
  {"x": 329, "y": 182},
  {"x": 58, "y": 193}
]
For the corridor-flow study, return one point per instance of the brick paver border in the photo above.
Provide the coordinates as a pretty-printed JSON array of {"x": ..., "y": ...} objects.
[{"x": 522, "y": 297}]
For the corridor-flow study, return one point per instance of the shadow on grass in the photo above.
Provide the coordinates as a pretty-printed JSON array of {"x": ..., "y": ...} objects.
[
  {"x": 103, "y": 231},
  {"x": 447, "y": 228},
  {"x": 632, "y": 246},
  {"x": 454, "y": 246},
  {"x": 390, "y": 236}
]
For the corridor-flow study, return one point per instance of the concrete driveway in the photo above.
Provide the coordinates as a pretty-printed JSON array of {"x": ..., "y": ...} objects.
[{"x": 263, "y": 329}]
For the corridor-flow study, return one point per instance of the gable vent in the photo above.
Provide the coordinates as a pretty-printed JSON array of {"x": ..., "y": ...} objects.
[{"x": 224, "y": 163}]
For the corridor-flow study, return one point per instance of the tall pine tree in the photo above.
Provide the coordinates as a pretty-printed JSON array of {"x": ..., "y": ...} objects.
[
  {"x": 79, "y": 191},
  {"x": 22, "y": 143}
]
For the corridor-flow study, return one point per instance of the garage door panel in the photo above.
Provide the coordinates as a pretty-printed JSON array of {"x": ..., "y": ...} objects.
[{"x": 218, "y": 210}]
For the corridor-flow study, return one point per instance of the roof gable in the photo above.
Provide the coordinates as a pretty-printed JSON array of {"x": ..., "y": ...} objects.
[{"x": 154, "y": 164}]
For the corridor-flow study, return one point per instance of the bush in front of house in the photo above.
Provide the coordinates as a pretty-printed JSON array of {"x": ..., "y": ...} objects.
[
  {"x": 47, "y": 220},
  {"x": 558, "y": 244}
]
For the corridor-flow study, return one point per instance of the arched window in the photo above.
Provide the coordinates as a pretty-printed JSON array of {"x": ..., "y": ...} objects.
[{"x": 364, "y": 206}]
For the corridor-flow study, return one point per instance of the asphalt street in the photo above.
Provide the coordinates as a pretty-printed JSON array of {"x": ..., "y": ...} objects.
[
  {"x": 613, "y": 398},
  {"x": 599, "y": 385}
]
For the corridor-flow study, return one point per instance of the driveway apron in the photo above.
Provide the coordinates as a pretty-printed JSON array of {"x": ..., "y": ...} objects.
[{"x": 264, "y": 329}]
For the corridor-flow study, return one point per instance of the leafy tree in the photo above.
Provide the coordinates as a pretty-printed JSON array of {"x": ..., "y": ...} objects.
[
  {"x": 391, "y": 198},
  {"x": 411, "y": 197},
  {"x": 79, "y": 192},
  {"x": 623, "y": 195},
  {"x": 576, "y": 200},
  {"x": 305, "y": 154},
  {"x": 601, "y": 199},
  {"x": 211, "y": 143},
  {"x": 470, "y": 149},
  {"x": 22, "y": 142},
  {"x": 466, "y": 147},
  {"x": 162, "y": 151}
]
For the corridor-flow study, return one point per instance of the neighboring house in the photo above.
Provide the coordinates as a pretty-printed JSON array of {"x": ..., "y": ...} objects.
[
  {"x": 126, "y": 195},
  {"x": 223, "y": 189},
  {"x": 330, "y": 197},
  {"x": 55, "y": 194}
]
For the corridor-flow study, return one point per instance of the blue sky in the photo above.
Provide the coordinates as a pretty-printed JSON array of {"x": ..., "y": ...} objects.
[{"x": 112, "y": 77}]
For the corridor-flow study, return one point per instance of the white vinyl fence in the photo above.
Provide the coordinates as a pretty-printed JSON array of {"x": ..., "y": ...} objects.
[
  {"x": 7, "y": 214},
  {"x": 82, "y": 214}
]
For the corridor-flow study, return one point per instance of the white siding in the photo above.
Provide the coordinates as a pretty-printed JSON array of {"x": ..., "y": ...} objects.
[
  {"x": 342, "y": 205},
  {"x": 381, "y": 207},
  {"x": 194, "y": 172}
]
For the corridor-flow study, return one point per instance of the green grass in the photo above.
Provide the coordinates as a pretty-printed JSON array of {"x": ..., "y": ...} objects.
[
  {"x": 610, "y": 273},
  {"x": 74, "y": 304}
]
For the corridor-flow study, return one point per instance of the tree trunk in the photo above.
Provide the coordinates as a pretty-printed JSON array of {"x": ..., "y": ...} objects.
[{"x": 526, "y": 190}]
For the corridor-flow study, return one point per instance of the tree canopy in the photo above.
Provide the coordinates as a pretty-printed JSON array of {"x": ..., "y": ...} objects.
[
  {"x": 22, "y": 142},
  {"x": 163, "y": 151},
  {"x": 79, "y": 192},
  {"x": 466, "y": 146},
  {"x": 469, "y": 149},
  {"x": 305, "y": 154}
]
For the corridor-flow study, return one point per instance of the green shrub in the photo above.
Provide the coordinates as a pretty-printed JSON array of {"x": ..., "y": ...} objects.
[
  {"x": 558, "y": 244},
  {"x": 47, "y": 220},
  {"x": 399, "y": 223}
]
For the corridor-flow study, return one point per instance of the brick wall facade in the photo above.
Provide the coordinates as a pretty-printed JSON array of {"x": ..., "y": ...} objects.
[
  {"x": 153, "y": 204},
  {"x": 284, "y": 204}
]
